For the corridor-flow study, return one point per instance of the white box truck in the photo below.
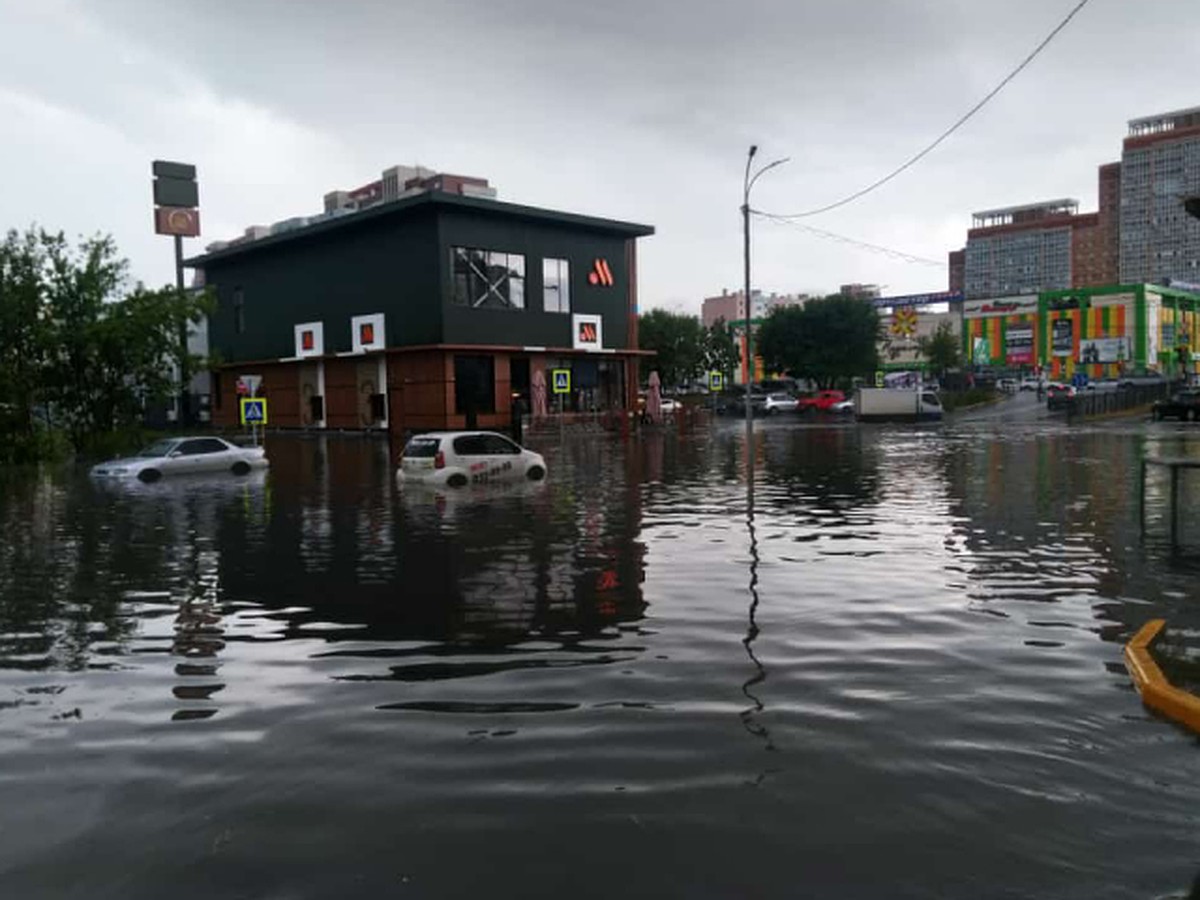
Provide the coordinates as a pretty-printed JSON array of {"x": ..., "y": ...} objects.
[{"x": 897, "y": 405}]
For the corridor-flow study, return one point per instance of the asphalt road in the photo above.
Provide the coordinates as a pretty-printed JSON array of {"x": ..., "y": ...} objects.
[{"x": 1023, "y": 406}]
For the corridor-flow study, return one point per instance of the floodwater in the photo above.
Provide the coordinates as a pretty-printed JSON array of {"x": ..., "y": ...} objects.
[{"x": 896, "y": 672}]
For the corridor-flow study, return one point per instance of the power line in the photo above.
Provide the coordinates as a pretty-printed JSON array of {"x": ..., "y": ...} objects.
[
  {"x": 953, "y": 128},
  {"x": 842, "y": 239}
]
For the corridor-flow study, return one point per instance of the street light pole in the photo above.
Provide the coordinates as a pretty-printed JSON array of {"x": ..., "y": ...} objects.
[{"x": 747, "y": 184}]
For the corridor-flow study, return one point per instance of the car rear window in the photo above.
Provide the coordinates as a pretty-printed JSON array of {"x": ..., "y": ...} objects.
[{"x": 422, "y": 448}]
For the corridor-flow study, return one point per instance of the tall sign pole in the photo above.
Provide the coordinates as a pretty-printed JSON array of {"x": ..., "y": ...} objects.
[{"x": 177, "y": 213}]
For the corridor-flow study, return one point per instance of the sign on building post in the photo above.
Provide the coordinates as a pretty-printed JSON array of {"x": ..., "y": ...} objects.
[
  {"x": 560, "y": 381},
  {"x": 177, "y": 213},
  {"x": 879, "y": 379},
  {"x": 715, "y": 381}
]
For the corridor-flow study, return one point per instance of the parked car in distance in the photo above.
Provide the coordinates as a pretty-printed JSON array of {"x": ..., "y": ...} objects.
[
  {"x": 1007, "y": 385},
  {"x": 459, "y": 458},
  {"x": 779, "y": 402},
  {"x": 184, "y": 456},
  {"x": 733, "y": 402},
  {"x": 821, "y": 401},
  {"x": 845, "y": 407},
  {"x": 1146, "y": 379},
  {"x": 1182, "y": 406},
  {"x": 1031, "y": 383},
  {"x": 1059, "y": 395}
]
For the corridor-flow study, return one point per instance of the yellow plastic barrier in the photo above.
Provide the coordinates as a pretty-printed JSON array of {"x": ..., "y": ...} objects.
[{"x": 1158, "y": 693}]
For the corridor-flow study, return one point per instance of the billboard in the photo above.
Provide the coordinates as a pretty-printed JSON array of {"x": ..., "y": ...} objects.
[
  {"x": 1005, "y": 306},
  {"x": 1104, "y": 350},
  {"x": 1018, "y": 344},
  {"x": 1062, "y": 337},
  {"x": 176, "y": 220}
]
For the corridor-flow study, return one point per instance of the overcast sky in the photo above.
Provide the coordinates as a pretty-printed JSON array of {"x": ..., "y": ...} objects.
[{"x": 631, "y": 109}]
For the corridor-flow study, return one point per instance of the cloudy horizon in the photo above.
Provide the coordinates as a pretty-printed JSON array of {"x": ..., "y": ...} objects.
[{"x": 634, "y": 111}]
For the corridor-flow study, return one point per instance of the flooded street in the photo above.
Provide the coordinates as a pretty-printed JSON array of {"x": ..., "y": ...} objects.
[{"x": 896, "y": 672}]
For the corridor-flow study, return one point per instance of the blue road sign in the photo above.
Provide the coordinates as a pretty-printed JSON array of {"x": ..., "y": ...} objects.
[
  {"x": 254, "y": 411},
  {"x": 561, "y": 380}
]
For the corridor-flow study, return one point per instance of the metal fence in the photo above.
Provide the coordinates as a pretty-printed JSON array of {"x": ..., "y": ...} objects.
[{"x": 1098, "y": 403}]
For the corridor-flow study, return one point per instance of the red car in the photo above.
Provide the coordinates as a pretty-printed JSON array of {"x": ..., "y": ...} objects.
[{"x": 821, "y": 401}]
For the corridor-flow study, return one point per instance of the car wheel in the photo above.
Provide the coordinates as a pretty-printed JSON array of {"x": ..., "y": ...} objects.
[
  {"x": 241, "y": 468},
  {"x": 456, "y": 481},
  {"x": 535, "y": 473},
  {"x": 149, "y": 476}
]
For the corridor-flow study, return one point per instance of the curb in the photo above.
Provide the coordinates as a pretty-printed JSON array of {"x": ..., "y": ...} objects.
[{"x": 1158, "y": 693}]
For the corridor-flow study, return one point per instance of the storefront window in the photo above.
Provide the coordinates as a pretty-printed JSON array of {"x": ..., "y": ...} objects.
[
  {"x": 487, "y": 279},
  {"x": 556, "y": 285},
  {"x": 474, "y": 384}
]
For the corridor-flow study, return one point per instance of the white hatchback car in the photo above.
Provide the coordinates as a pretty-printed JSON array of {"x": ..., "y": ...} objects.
[
  {"x": 459, "y": 458},
  {"x": 184, "y": 456}
]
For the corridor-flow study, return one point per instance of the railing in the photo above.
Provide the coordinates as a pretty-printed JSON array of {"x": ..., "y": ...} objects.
[{"x": 1099, "y": 403}]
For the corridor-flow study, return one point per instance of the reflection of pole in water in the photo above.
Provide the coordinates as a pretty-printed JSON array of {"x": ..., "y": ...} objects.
[{"x": 759, "y": 676}]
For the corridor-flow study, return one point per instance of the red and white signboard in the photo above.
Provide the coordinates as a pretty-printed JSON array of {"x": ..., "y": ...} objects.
[
  {"x": 587, "y": 332},
  {"x": 177, "y": 220},
  {"x": 248, "y": 385},
  {"x": 367, "y": 334},
  {"x": 310, "y": 339}
]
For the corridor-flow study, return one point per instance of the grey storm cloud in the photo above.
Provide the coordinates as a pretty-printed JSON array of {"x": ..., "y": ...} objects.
[{"x": 636, "y": 110}]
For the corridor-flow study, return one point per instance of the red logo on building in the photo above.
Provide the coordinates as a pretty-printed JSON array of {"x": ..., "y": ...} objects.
[
  {"x": 306, "y": 340},
  {"x": 587, "y": 332},
  {"x": 366, "y": 334},
  {"x": 601, "y": 274}
]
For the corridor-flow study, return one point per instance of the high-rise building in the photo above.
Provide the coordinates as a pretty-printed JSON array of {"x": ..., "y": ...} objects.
[
  {"x": 957, "y": 262},
  {"x": 1022, "y": 249},
  {"x": 1160, "y": 168}
]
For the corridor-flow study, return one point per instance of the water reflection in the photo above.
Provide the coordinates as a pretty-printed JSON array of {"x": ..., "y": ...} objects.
[{"x": 921, "y": 624}]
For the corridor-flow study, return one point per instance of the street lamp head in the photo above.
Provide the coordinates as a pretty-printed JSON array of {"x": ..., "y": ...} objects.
[{"x": 753, "y": 150}]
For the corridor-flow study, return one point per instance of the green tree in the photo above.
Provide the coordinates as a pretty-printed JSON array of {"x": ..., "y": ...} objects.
[
  {"x": 941, "y": 349},
  {"x": 24, "y": 344},
  {"x": 721, "y": 353},
  {"x": 76, "y": 345},
  {"x": 826, "y": 340},
  {"x": 678, "y": 343}
]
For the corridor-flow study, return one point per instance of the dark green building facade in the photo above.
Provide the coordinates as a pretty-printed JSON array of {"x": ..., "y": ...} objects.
[{"x": 426, "y": 312}]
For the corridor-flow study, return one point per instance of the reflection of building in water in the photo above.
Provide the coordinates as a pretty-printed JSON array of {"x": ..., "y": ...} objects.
[{"x": 476, "y": 565}]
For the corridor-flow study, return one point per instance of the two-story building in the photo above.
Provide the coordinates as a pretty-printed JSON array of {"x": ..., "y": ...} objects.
[{"x": 426, "y": 313}]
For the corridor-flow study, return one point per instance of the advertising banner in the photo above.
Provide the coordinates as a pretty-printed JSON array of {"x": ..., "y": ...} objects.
[
  {"x": 981, "y": 351},
  {"x": 1006, "y": 306},
  {"x": 1104, "y": 350},
  {"x": 1062, "y": 337},
  {"x": 919, "y": 299},
  {"x": 1018, "y": 344}
]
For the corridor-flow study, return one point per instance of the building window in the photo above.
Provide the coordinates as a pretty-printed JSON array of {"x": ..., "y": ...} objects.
[
  {"x": 239, "y": 311},
  {"x": 487, "y": 279},
  {"x": 556, "y": 285},
  {"x": 474, "y": 384}
]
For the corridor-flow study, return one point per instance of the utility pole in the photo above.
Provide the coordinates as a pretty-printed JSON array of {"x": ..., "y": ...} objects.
[{"x": 747, "y": 184}]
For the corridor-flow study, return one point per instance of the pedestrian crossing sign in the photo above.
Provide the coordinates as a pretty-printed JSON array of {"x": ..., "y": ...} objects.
[
  {"x": 254, "y": 411},
  {"x": 561, "y": 380},
  {"x": 714, "y": 381},
  {"x": 878, "y": 379}
]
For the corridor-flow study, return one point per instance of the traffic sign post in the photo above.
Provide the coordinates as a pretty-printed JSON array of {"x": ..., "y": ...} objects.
[
  {"x": 715, "y": 381},
  {"x": 254, "y": 414},
  {"x": 878, "y": 379},
  {"x": 560, "y": 383}
]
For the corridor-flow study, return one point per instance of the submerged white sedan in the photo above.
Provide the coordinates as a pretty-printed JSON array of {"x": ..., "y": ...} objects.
[
  {"x": 459, "y": 458},
  {"x": 184, "y": 456}
]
